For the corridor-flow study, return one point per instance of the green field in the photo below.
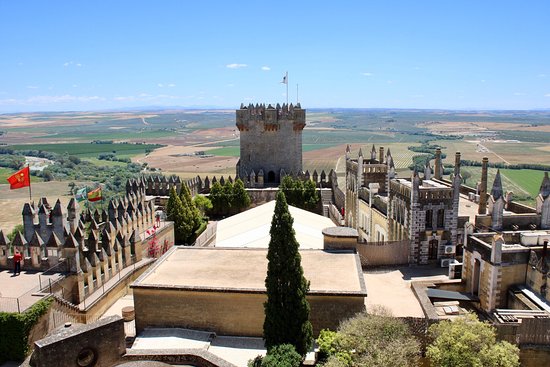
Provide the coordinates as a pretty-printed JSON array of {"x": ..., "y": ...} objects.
[
  {"x": 88, "y": 150},
  {"x": 114, "y": 135},
  {"x": 229, "y": 151},
  {"x": 525, "y": 183},
  {"x": 4, "y": 174}
]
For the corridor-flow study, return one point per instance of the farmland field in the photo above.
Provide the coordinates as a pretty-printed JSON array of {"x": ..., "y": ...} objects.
[
  {"x": 525, "y": 183},
  {"x": 328, "y": 131},
  {"x": 88, "y": 150}
]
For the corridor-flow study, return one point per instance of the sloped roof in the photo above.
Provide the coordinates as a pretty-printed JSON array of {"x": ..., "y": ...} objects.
[{"x": 251, "y": 228}]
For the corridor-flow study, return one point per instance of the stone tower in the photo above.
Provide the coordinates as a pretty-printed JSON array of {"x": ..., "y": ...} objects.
[{"x": 271, "y": 142}]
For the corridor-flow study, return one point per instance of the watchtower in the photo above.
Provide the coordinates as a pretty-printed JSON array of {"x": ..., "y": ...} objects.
[{"x": 271, "y": 142}]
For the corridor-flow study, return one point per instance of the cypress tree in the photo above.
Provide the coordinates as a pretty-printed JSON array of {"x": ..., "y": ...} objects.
[
  {"x": 241, "y": 199},
  {"x": 180, "y": 215},
  {"x": 216, "y": 197},
  {"x": 286, "y": 309},
  {"x": 195, "y": 214}
]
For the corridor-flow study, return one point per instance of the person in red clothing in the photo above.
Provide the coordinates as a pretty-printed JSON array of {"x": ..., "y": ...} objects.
[{"x": 17, "y": 262}]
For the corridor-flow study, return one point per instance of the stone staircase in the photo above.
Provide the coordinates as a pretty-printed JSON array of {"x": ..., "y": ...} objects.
[{"x": 326, "y": 200}]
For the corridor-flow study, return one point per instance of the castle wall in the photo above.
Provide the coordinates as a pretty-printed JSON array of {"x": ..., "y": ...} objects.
[
  {"x": 104, "y": 341},
  {"x": 230, "y": 313}
]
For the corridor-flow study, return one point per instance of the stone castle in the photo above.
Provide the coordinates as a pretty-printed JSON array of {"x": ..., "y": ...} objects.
[
  {"x": 93, "y": 246},
  {"x": 422, "y": 211},
  {"x": 270, "y": 143}
]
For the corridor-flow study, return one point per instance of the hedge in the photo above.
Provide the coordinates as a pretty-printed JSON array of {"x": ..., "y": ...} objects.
[{"x": 15, "y": 329}]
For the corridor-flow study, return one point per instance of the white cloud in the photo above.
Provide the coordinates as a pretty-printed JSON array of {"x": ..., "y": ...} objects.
[
  {"x": 171, "y": 85},
  {"x": 519, "y": 94},
  {"x": 160, "y": 85},
  {"x": 482, "y": 80},
  {"x": 389, "y": 81},
  {"x": 230, "y": 85},
  {"x": 547, "y": 95},
  {"x": 366, "y": 74},
  {"x": 266, "y": 68},
  {"x": 71, "y": 63},
  {"x": 542, "y": 76},
  {"x": 32, "y": 87},
  {"x": 236, "y": 66}
]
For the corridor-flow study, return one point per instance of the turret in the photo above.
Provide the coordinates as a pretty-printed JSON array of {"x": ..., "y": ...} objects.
[
  {"x": 438, "y": 167},
  {"x": 28, "y": 220},
  {"x": 543, "y": 202},
  {"x": 483, "y": 187},
  {"x": 496, "y": 207},
  {"x": 72, "y": 214}
]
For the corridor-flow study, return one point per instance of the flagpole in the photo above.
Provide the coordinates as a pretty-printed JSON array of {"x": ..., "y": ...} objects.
[
  {"x": 30, "y": 192},
  {"x": 287, "y": 88}
]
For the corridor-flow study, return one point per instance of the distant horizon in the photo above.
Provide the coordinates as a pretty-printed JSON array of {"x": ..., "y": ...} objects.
[
  {"x": 222, "y": 108},
  {"x": 429, "y": 55}
]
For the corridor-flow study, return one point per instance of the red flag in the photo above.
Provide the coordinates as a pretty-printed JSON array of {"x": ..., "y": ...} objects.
[
  {"x": 94, "y": 195},
  {"x": 20, "y": 179}
]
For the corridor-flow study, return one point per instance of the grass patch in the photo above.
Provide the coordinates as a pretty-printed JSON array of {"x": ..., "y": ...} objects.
[
  {"x": 524, "y": 183},
  {"x": 4, "y": 174},
  {"x": 229, "y": 151},
  {"x": 528, "y": 179},
  {"x": 89, "y": 150}
]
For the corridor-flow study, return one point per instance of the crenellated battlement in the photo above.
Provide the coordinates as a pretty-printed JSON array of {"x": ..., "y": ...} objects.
[
  {"x": 271, "y": 117},
  {"x": 270, "y": 142}
]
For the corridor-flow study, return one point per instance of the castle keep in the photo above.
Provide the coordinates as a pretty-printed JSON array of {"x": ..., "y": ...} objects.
[{"x": 271, "y": 143}]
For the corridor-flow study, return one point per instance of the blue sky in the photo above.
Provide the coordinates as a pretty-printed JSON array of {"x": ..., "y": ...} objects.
[{"x": 89, "y": 55}]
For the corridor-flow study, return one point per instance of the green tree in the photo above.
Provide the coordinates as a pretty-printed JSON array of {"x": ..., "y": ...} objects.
[
  {"x": 241, "y": 199},
  {"x": 469, "y": 342},
  {"x": 310, "y": 196},
  {"x": 292, "y": 189},
  {"x": 286, "y": 309},
  {"x": 181, "y": 216},
  {"x": 202, "y": 203},
  {"x": 302, "y": 194},
  {"x": 228, "y": 199},
  {"x": 370, "y": 339},
  {"x": 216, "y": 197},
  {"x": 18, "y": 228},
  {"x": 194, "y": 213},
  {"x": 465, "y": 176}
]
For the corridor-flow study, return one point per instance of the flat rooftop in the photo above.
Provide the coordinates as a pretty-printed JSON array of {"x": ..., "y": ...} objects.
[
  {"x": 251, "y": 228},
  {"x": 244, "y": 270}
]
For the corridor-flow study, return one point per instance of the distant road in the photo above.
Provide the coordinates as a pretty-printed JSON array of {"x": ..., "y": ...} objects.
[{"x": 482, "y": 148}]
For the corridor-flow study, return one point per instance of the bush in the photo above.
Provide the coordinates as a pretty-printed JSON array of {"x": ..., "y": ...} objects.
[
  {"x": 375, "y": 339},
  {"x": 469, "y": 342},
  {"x": 283, "y": 355},
  {"x": 15, "y": 329}
]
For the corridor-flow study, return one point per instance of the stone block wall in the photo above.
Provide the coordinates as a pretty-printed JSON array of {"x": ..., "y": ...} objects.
[
  {"x": 228, "y": 313},
  {"x": 99, "y": 344}
]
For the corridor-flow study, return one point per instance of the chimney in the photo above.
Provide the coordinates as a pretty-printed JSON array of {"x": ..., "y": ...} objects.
[
  {"x": 483, "y": 187},
  {"x": 381, "y": 155},
  {"x": 496, "y": 249},
  {"x": 437, "y": 169},
  {"x": 457, "y": 163}
]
